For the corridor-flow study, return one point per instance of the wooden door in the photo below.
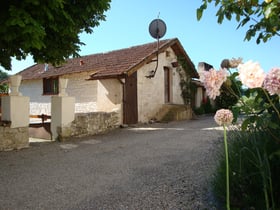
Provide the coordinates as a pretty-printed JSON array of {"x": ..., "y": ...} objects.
[
  {"x": 130, "y": 108},
  {"x": 167, "y": 96}
]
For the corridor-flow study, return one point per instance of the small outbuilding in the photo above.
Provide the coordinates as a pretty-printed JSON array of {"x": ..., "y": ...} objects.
[{"x": 137, "y": 82}]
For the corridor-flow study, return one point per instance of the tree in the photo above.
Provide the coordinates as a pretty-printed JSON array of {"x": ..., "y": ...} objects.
[
  {"x": 46, "y": 30},
  {"x": 263, "y": 17},
  {"x": 3, "y": 75},
  {"x": 3, "y": 87}
]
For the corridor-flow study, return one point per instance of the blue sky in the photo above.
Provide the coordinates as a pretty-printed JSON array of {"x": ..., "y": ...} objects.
[{"x": 127, "y": 25}]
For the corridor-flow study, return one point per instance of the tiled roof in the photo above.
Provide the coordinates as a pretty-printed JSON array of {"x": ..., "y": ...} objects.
[{"x": 107, "y": 65}]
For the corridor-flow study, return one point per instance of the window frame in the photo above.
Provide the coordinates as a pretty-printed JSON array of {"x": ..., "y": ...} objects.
[{"x": 51, "y": 86}]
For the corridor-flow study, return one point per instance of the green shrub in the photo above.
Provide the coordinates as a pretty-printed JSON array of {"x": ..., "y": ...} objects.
[
  {"x": 253, "y": 160},
  {"x": 199, "y": 111},
  {"x": 205, "y": 108},
  {"x": 208, "y": 107},
  {"x": 4, "y": 89},
  {"x": 227, "y": 99}
]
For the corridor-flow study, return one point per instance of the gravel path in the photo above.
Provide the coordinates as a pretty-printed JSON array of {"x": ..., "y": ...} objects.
[{"x": 157, "y": 166}]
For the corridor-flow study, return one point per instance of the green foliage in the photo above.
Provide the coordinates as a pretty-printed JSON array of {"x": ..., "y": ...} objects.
[
  {"x": 199, "y": 111},
  {"x": 254, "y": 150},
  {"x": 254, "y": 162},
  {"x": 230, "y": 93},
  {"x": 187, "y": 87},
  {"x": 3, "y": 75},
  {"x": 4, "y": 88},
  {"x": 258, "y": 107},
  {"x": 205, "y": 108},
  {"x": 47, "y": 30},
  {"x": 261, "y": 110},
  {"x": 225, "y": 100},
  {"x": 262, "y": 16}
]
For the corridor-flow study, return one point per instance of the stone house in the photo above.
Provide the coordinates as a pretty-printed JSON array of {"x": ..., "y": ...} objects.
[{"x": 124, "y": 81}]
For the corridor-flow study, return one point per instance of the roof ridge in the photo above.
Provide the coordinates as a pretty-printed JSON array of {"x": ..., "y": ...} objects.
[{"x": 126, "y": 48}]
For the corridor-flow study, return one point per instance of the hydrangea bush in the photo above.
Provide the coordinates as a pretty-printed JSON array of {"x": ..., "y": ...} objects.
[
  {"x": 258, "y": 108},
  {"x": 272, "y": 81},
  {"x": 251, "y": 80}
]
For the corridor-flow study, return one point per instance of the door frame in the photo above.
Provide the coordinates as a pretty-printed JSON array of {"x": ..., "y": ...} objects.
[
  {"x": 130, "y": 101},
  {"x": 167, "y": 85}
]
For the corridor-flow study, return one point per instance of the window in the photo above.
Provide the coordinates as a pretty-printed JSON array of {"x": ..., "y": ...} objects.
[{"x": 50, "y": 86}]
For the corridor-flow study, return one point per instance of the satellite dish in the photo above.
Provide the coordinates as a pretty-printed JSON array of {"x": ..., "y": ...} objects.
[{"x": 157, "y": 28}]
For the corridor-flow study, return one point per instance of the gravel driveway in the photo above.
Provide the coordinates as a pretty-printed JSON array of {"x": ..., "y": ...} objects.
[{"x": 156, "y": 166}]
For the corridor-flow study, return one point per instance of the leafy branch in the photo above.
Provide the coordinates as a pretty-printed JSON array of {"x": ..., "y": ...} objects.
[{"x": 263, "y": 18}]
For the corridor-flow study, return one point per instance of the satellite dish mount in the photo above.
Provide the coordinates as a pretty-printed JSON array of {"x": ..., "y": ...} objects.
[{"x": 157, "y": 29}]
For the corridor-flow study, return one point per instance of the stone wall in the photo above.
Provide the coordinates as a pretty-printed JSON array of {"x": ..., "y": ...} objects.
[
  {"x": 13, "y": 138},
  {"x": 87, "y": 124},
  {"x": 174, "y": 112}
]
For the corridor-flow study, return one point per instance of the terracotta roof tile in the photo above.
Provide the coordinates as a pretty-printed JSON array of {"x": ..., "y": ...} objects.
[{"x": 110, "y": 64}]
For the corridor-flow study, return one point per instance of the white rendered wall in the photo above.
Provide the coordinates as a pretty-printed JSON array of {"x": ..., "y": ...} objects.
[
  {"x": 151, "y": 91},
  {"x": 63, "y": 114},
  {"x": 15, "y": 109},
  {"x": 39, "y": 104},
  {"x": 109, "y": 97},
  {"x": 198, "y": 97},
  {"x": 84, "y": 91}
]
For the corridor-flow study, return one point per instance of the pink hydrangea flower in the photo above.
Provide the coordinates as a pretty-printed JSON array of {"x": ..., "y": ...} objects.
[
  {"x": 251, "y": 74},
  {"x": 223, "y": 117},
  {"x": 212, "y": 81},
  {"x": 272, "y": 81}
]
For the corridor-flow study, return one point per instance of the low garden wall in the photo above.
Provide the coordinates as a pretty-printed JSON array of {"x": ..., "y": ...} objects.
[
  {"x": 174, "y": 112},
  {"x": 13, "y": 138},
  {"x": 86, "y": 124}
]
